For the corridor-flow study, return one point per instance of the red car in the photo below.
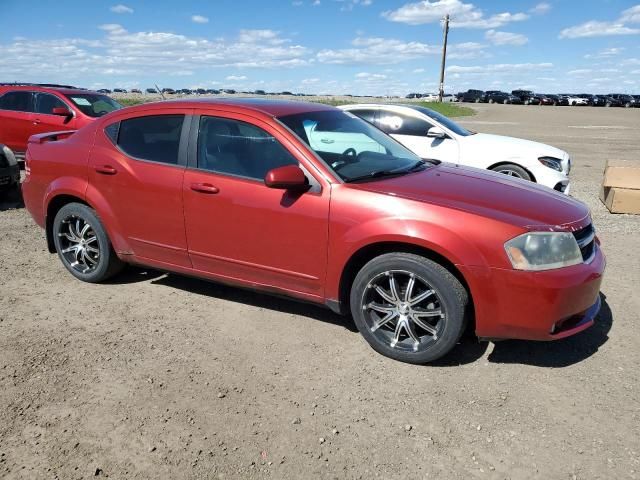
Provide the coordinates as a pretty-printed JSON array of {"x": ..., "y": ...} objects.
[
  {"x": 26, "y": 110},
  {"x": 253, "y": 193}
]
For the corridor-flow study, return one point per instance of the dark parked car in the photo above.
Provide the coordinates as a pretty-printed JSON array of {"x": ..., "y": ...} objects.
[
  {"x": 260, "y": 92},
  {"x": 185, "y": 91},
  {"x": 414, "y": 95},
  {"x": 527, "y": 97},
  {"x": 151, "y": 90},
  {"x": 9, "y": 170},
  {"x": 556, "y": 99},
  {"x": 624, "y": 99},
  {"x": 543, "y": 99},
  {"x": 496, "y": 96},
  {"x": 471, "y": 96},
  {"x": 201, "y": 91},
  {"x": 136, "y": 90},
  {"x": 212, "y": 91},
  {"x": 119, "y": 90}
]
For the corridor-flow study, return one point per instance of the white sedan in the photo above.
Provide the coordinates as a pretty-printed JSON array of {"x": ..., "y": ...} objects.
[{"x": 434, "y": 136}]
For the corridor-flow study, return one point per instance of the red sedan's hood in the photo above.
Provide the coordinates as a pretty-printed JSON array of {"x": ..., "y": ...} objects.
[{"x": 494, "y": 195}]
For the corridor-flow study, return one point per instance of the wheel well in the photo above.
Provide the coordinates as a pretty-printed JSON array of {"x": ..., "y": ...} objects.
[
  {"x": 52, "y": 209},
  {"x": 533, "y": 178},
  {"x": 369, "y": 252}
]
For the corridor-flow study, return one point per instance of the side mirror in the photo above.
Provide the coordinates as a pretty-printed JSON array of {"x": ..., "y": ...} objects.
[
  {"x": 436, "y": 132},
  {"x": 289, "y": 177},
  {"x": 62, "y": 111}
]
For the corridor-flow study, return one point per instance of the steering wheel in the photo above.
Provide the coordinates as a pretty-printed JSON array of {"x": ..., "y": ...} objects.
[{"x": 350, "y": 152}]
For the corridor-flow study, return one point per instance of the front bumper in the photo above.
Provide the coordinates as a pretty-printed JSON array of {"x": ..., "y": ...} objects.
[{"x": 545, "y": 305}]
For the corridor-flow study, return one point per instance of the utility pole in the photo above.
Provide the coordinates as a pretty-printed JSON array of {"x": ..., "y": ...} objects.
[{"x": 444, "y": 56}]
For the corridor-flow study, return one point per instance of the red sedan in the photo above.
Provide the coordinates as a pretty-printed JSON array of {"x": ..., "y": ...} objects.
[{"x": 312, "y": 202}]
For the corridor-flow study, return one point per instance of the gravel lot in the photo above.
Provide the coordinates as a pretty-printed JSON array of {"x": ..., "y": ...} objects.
[{"x": 162, "y": 376}]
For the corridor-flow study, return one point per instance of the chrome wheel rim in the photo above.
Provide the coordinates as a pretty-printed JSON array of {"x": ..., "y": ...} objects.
[
  {"x": 79, "y": 244},
  {"x": 508, "y": 171},
  {"x": 403, "y": 311}
]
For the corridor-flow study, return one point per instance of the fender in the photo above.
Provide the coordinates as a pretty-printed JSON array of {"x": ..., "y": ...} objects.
[
  {"x": 398, "y": 230},
  {"x": 110, "y": 221}
]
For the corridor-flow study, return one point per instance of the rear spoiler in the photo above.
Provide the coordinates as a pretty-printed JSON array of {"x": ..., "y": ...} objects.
[{"x": 51, "y": 136}]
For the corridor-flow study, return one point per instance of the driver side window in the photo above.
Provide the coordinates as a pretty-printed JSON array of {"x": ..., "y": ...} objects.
[{"x": 238, "y": 148}]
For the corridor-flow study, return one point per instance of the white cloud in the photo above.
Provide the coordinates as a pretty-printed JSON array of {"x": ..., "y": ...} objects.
[
  {"x": 606, "y": 53},
  {"x": 597, "y": 28},
  {"x": 463, "y": 15},
  {"x": 121, "y": 53},
  {"x": 236, "y": 78},
  {"x": 121, "y": 9},
  {"x": 580, "y": 72},
  {"x": 387, "y": 51},
  {"x": 540, "y": 9},
  {"x": 631, "y": 15},
  {"x": 505, "y": 38},
  {"x": 500, "y": 67},
  {"x": 370, "y": 76},
  {"x": 418, "y": 70},
  {"x": 199, "y": 19}
]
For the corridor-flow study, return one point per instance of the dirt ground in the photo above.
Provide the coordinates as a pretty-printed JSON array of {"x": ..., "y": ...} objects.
[{"x": 161, "y": 376}]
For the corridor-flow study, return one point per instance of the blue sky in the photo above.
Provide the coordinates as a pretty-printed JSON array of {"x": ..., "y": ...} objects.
[{"x": 323, "y": 46}]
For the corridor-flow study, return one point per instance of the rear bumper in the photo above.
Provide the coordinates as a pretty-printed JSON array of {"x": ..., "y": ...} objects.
[{"x": 544, "y": 305}]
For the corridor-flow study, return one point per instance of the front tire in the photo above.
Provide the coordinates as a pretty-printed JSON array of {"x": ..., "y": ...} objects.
[
  {"x": 512, "y": 170},
  {"x": 408, "y": 308},
  {"x": 83, "y": 245}
]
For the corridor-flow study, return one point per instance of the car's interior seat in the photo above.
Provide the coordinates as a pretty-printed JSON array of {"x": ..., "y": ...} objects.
[{"x": 220, "y": 149}]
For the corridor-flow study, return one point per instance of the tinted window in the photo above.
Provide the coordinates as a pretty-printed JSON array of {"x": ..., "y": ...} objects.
[
  {"x": 45, "y": 103},
  {"x": 238, "y": 148},
  {"x": 400, "y": 124},
  {"x": 447, "y": 122},
  {"x": 112, "y": 131},
  {"x": 154, "y": 138},
  {"x": 367, "y": 115},
  {"x": 17, "y": 101}
]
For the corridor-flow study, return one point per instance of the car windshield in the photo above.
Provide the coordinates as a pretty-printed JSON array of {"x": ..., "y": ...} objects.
[
  {"x": 446, "y": 122},
  {"x": 354, "y": 149},
  {"x": 94, "y": 104}
]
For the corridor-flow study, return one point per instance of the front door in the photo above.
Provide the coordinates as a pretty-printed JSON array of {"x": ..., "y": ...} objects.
[
  {"x": 411, "y": 131},
  {"x": 43, "y": 118},
  {"x": 137, "y": 165},
  {"x": 238, "y": 228}
]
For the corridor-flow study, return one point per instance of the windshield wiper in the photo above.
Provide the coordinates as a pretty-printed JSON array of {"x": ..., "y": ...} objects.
[{"x": 415, "y": 167}]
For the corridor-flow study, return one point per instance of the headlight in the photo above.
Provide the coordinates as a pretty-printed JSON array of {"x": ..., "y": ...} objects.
[
  {"x": 543, "y": 251},
  {"x": 551, "y": 162}
]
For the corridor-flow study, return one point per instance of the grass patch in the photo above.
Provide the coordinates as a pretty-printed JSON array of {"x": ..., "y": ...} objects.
[{"x": 446, "y": 108}]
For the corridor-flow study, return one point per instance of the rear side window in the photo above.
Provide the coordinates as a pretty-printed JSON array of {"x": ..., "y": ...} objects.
[
  {"x": 45, "y": 103},
  {"x": 399, "y": 124},
  {"x": 237, "y": 148},
  {"x": 153, "y": 138},
  {"x": 17, "y": 101}
]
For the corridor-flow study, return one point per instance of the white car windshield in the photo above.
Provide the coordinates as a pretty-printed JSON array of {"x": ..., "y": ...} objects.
[
  {"x": 446, "y": 122},
  {"x": 353, "y": 148}
]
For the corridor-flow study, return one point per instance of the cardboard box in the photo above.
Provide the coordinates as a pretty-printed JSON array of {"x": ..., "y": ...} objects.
[{"x": 620, "y": 190}]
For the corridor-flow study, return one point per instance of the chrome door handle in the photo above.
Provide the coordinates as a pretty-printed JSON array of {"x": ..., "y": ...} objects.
[{"x": 327, "y": 140}]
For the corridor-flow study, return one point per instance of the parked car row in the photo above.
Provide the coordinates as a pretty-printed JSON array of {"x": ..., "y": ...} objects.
[
  {"x": 196, "y": 91},
  {"x": 316, "y": 203},
  {"x": 528, "y": 97}
]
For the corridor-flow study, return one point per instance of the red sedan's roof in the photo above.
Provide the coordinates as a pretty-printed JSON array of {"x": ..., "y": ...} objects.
[{"x": 272, "y": 108}]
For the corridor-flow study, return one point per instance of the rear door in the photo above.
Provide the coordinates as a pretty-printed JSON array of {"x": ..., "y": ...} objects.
[
  {"x": 43, "y": 118},
  {"x": 16, "y": 116},
  {"x": 137, "y": 166}
]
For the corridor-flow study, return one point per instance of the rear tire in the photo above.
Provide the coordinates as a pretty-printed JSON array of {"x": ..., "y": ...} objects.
[
  {"x": 512, "y": 170},
  {"x": 83, "y": 245},
  {"x": 408, "y": 308}
]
